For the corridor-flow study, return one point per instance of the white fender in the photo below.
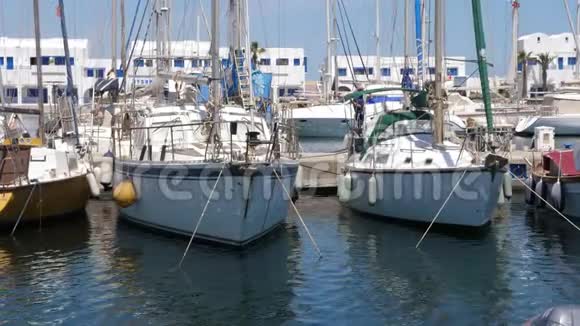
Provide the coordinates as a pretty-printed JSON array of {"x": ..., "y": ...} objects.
[
  {"x": 107, "y": 170},
  {"x": 530, "y": 197},
  {"x": 98, "y": 173},
  {"x": 340, "y": 187},
  {"x": 346, "y": 187},
  {"x": 540, "y": 191},
  {"x": 372, "y": 190},
  {"x": 556, "y": 193},
  {"x": 93, "y": 185},
  {"x": 507, "y": 186},
  {"x": 501, "y": 198},
  {"x": 298, "y": 183}
]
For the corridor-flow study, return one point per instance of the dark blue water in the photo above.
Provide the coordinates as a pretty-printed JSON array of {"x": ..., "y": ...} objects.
[{"x": 99, "y": 270}]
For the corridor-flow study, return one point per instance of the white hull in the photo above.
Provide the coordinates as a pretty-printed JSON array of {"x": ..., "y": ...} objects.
[
  {"x": 564, "y": 124},
  {"x": 418, "y": 195},
  {"x": 245, "y": 206}
]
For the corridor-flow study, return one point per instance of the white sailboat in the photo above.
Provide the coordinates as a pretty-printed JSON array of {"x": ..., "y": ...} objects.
[
  {"x": 219, "y": 178},
  {"x": 404, "y": 168}
]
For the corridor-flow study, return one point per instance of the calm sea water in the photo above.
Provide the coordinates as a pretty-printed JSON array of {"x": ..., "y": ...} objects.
[{"x": 96, "y": 269}]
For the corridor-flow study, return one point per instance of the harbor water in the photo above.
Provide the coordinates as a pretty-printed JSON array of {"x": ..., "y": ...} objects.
[{"x": 97, "y": 269}]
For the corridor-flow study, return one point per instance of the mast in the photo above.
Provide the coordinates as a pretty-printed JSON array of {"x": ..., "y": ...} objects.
[
  {"x": 197, "y": 35},
  {"x": 406, "y": 34},
  {"x": 39, "y": 84},
  {"x": 419, "y": 40},
  {"x": 439, "y": 31},
  {"x": 123, "y": 40},
  {"x": 574, "y": 31},
  {"x": 482, "y": 61},
  {"x": 327, "y": 76},
  {"x": 215, "y": 56},
  {"x": 113, "y": 34},
  {"x": 378, "y": 42},
  {"x": 577, "y": 30},
  {"x": 70, "y": 94},
  {"x": 248, "y": 52},
  {"x": 513, "y": 67}
]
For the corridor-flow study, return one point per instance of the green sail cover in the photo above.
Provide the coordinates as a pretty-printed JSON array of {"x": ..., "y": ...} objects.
[{"x": 388, "y": 119}]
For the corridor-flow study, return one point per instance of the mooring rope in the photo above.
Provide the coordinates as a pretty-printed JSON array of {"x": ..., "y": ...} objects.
[
  {"x": 201, "y": 216},
  {"x": 440, "y": 209},
  {"x": 545, "y": 201},
  {"x": 23, "y": 209},
  {"x": 299, "y": 215}
]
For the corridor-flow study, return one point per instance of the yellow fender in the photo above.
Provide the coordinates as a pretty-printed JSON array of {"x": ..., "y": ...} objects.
[
  {"x": 124, "y": 194},
  {"x": 5, "y": 199}
]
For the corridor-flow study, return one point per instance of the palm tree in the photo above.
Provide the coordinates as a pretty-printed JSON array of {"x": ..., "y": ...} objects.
[
  {"x": 545, "y": 59},
  {"x": 523, "y": 58},
  {"x": 256, "y": 51}
]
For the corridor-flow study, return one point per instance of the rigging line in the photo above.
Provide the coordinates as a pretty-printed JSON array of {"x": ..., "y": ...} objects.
[
  {"x": 354, "y": 39},
  {"x": 202, "y": 215},
  {"x": 132, "y": 26},
  {"x": 135, "y": 44},
  {"x": 205, "y": 20},
  {"x": 347, "y": 56},
  {"x": 23, "y": 209},
  {"x": 349, "y": 53},
  {"x": 441, "y": 209},
  {"x": 298, "y": 214},
  {"x": 394, "y": 63},
  {"x": 182, "y": 23}
]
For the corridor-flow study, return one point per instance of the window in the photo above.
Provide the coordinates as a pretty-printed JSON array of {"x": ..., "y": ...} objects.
[
  {"x": 305, "y": 63},
  {"x": 538, "y": 39},
  {"x": 386, "y": 72},
  {"x": 33, "y": 93},
  {"x": 119, "y": 73},
  {"x": 342, "y": 72},
  {"x": 179, "y": 62},
  {"x": 149, "y": 63},
  {"x": 571, "y": 61},
  {"x": 45, "y": 61},
  {"x": 11, "y": 94},
  {"x": 100, "y": 72},
  {"x": 9, "y": 63},
  {"x": 195, "y": 63},
  {"x": 560, "y": 63},
  {"x": 71, "y": 61},
  {"x": 33, "y": 61},
  {"x": 90, "y": 72},
  {"x": 359, "y": 70},
  {"x": 410, "y": 71},
  {"x": 452, "y": 71},
  {"x": 532, "y": 62},
  {"x": 59, "y": 61},
  {"x": 282, "y": 62},
  {"x": 520, "y": 67},
  {"x": 1, "y": 61},
  {"x": 296, "y": 61},
  {"x": 265, "y": 62},
  {"x": 431, "y": 70},
  {"x": 205, "y": 62},
  {"x": 371, "y": 71},
  {"x": 139, "y": 62}
]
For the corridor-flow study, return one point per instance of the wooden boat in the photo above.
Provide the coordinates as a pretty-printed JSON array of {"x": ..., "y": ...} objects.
[{"x": 40, "y": 183}]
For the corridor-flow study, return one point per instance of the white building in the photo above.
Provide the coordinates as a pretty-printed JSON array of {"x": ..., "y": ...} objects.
[
  {"x": 560, "y": 46},
  {"x": 18, "y": 64},
  {"x": 351, "y": 70}
]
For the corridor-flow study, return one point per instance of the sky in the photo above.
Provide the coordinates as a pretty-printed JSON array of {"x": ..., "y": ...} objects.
[{"x": 301, "y": 23}]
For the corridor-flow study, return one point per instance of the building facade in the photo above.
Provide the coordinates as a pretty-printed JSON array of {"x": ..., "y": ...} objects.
[
  {"x": 563, "y": 49},
  {"x": 288, "y": 66}
]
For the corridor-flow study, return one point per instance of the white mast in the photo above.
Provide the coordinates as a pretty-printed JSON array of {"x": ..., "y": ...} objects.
[
  {"x": 113, "y": 34},
  {"x": 513, "y": 67},
  {"x": 327, "y": 76},
  {"x": 215, "y": 57},
  {"x": 574, "y": 31},
  {"x": 39, "y": 83},
  {"x": 406, "y": 34},
  {"x": 197, "y": 35},
  {"x": 248, "y": 53},
  {"x": 577, "y": 31},
  {"x": 378, "y": 43},
  {"x": 439, "y": 77}
]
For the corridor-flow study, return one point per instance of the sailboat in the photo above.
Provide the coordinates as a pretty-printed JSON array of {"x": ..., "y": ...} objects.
[
  {"x": 38, "y": 182},
  {"x": 218, "y": 177},
  {"x": 404, "y": 167}
]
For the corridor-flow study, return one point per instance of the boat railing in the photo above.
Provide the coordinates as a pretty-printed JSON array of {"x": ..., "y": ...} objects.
[{"x": 156, "y": 143}]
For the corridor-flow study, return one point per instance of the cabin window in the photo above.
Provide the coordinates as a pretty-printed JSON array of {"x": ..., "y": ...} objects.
[
  {"x": 452, "y": 71},
  {"x": 9, "y": 63},
  {"x": 282, "y": 62},
  {"x": 265, "y": 62},
  {"x": 179, "y": 63},
  {"x": 296, "y": 61},
  {"x": 342, "y": 72},
  {"x": 571, "y": 61},
  {"x": 90, "y": 72},
  {"x": 386, "y": 72}
]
